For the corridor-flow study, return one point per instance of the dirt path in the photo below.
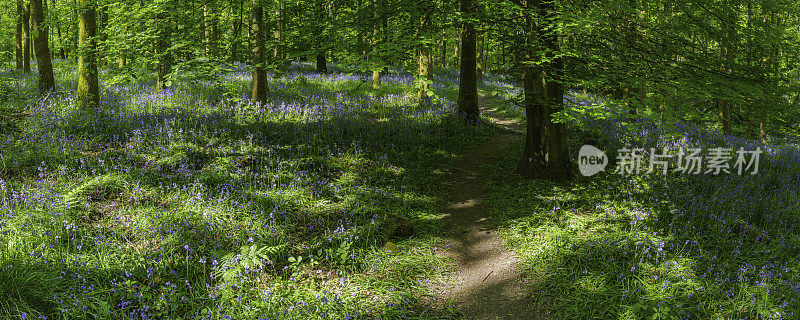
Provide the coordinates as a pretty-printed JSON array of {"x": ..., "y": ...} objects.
[{"x": 486, "y": 284}]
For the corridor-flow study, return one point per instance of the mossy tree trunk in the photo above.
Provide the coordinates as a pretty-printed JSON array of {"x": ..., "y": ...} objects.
[
  {"x": 42, "y": 47},
  {"x": 164, "y": 56},
  {"x": 425, "y": 61},
  {"x": 546, "y": 155},
  {"x": 26, "y": 37},
  {"x": 258, "y": 32},
  {"x": 87, "y": 94},
  {"x": 468, "y": 81},
  {"x": 18, "y": 36}
]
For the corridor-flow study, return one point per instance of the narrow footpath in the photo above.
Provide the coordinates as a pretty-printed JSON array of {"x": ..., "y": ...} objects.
[{"x": 486, "y": 282}]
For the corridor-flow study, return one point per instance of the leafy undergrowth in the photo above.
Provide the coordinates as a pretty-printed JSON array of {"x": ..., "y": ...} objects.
[
  {"x": 193, "y": 203},
  {"x": 658, "y": 246}
]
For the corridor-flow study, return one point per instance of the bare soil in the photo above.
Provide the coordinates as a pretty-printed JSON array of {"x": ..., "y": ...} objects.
[{"x": 486, "y": 282}]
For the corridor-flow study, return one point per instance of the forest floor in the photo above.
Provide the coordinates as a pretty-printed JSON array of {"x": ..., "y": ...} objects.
[{"x": 486, "y": 282}]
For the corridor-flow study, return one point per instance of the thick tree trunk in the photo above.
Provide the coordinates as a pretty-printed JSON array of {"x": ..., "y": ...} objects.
[
  {"x": 532, "y": 164},
  {"x": 546, "y": 155},
  {"x": 87, "y": 94},
  {"x": 468, "y": 82},
  {"x": 42, "y": 46},
  {"x": 18, "y": 36},
  {"x": 322, "y": 65},
  {"x": 26, "y": 37},
  {"x": 259, "y": 85}
]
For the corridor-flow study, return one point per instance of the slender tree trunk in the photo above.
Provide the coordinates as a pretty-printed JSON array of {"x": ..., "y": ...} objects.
[
  {"x": 278, "y": 54},
  {"x": 164, "y": 56},
  {"x": 87, "y": 95},
  {"x": 425, "y": 62},
  {"x": 726, "y": 49},
  {"x": 102, "y": 16},
  {"x": 322, "y": 14},
  {"x": 26, "y": 37},
  {"x": 456, "y": 47},
  {"x": 237, "y": 29},
  {"x": 259, "y": 85},
  {"x": 61, "y": 52},
  {"x": 468, "y": 82},
  {"x": 762, "y": 128},
  {"x": 376, "y": 74},
  {"x": 42, "y": 46},
  {"x": 479, "y": 59},
  {"x": 18, "y": 36},
  {"x": 444, "y": 49}
]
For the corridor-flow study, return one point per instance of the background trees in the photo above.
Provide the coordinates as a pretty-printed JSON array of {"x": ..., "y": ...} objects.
[{"x": 729, "y": 63}]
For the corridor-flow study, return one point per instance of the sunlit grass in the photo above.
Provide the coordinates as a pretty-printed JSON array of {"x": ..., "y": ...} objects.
[{"x": 192, "y": 202}]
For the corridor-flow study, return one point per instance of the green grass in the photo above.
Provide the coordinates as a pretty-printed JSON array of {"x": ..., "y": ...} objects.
[{"x": 192, "y": 203}]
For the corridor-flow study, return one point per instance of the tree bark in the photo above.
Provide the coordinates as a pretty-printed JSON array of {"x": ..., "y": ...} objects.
[
  {"x": 425, "y": 57},
  {"x": 546, "y": 155},
  {"x": 278, "y": 54},
  {"x": 322, "y": 65},
  {"x": 376, "y": 74},
  {"x": 164, "y": 56},
  {"x": 259, "y": 85},
  {"x": 456, "y": 46},
  {"x": 18, "y": 36},
  {"x": 444, "y": 49},
  {"x": 87, "y": 94},
  {"x": 210, "y": 29},
  {"x": 42, "y": 46},
  {"x": 26, "y": 37},
  {"x": 468, "y": 82},
  {"x": 479, "y": 59}
]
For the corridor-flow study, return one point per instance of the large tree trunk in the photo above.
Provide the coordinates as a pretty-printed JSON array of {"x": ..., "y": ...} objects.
[
  {"x": 322, "y": 65},
  {"x": 87, "y": 94},
  {"x": 259, "y": 85},
  {"x": 546, "y": 155},
  {"x": 26, "y": 37},
  {"x": 532, "y": 164},
  {"x": 42, "y": 46},
  {"x": 468, "y": 82},
  {"x": 18, "y": 36}
]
